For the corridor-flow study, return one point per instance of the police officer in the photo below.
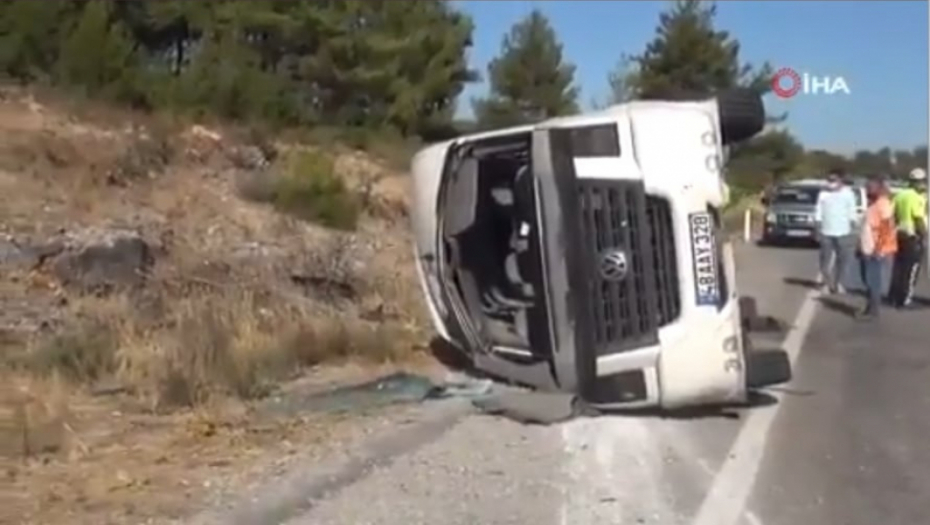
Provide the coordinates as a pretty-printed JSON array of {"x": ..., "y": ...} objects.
[{"x": 910, "y": 210}]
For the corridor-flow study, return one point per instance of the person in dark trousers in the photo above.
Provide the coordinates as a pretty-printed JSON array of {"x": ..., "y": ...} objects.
[
  {"x": 910, "y": 210},
  {"x": 877, "y": 244}
]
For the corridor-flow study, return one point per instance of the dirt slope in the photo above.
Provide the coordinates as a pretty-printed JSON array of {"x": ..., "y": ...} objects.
[{"x": 145, "y": 303}]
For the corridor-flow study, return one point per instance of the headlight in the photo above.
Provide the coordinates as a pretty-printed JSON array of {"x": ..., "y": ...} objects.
[{"x": 769, "y": 217}]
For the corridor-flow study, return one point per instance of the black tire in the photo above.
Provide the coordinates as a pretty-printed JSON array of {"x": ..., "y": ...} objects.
[{"x": 742, "y": 114}]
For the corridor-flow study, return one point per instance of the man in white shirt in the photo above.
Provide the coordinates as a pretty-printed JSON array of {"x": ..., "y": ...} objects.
[{"x": 836, "y": 219}]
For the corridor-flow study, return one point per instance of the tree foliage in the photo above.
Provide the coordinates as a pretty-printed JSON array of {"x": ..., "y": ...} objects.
[
  {"x": 897, "y": 163},
  {"x": 99, "y": 54},
  {"x": 689, "y": 55},
  {"x": 371, "y": 63},
  {"x": 769, "y": 157},
  {"x": 622, "y": 81},
  {"x": 367, "y": 65},
  {"x": 530, "y": 80}
]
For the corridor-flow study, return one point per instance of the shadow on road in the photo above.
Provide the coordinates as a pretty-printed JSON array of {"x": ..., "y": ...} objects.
[
  {"x": 757, "y": 399},
  {"x": 801, "y": 245},
  {"x": 839, "y": 306},
  {"x": 797, "y": 281},
  {"x": 764, "y": 324}
]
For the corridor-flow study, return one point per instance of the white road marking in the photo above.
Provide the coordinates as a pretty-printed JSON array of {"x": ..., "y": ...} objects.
[
  {"x": 752, "y": 518},
  {"x": 733, "y": 484},
  {"x": 705, "y": 466}
]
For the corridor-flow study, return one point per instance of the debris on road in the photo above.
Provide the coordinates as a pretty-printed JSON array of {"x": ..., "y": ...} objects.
[
  {"x": 535, "y": 408},
  {"x": 393, "y": 389},
  {"x": 464, "y": 386}
]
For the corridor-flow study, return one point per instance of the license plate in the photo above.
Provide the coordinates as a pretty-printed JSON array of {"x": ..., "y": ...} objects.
[
  {"x": 704, "y": 250},
  {"x": 798, "y": 233}
]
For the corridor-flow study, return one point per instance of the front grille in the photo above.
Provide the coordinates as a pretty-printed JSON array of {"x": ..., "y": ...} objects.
[
  {"x": 659, "y": 212},
  {"x": 618, "y": 216},
  {"x": 793, "y": 219}
]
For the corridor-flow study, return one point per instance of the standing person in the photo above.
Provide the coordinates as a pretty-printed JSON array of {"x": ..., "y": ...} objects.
[
  {"x": 878, "y": 243},
  {"x": 836, "y": 222},
  {"x": 910, "y": 209}
]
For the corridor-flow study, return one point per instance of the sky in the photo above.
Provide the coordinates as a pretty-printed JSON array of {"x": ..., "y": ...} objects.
[{"x": 878, "y": 47}]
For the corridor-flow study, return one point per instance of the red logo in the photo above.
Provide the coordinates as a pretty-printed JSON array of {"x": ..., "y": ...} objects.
[{"x": 786, "y": 83}]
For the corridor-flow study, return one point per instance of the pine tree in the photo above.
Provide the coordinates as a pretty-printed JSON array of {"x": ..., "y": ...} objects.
[
  {"x": 378, "y": 63},
  {"x": 770, "y": 157},
  {"x": 99, "y": 54},
  {"x": 529, "y": 80},
  {"x": 369, "y": 64},
  {"x": 31, "y": 34},
  {"x": 689, "y": 56},
  {"x": 622, "y": 81},
  {"x": 225, "y": 78}
]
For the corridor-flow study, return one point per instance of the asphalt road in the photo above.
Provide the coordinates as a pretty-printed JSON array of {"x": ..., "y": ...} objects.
[
  {"x": 849, "y": 447},
  {"x": 843, "y": 444}
]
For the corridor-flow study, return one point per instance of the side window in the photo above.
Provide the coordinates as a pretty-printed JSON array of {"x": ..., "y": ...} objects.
[{"x": 601, "y": 140}]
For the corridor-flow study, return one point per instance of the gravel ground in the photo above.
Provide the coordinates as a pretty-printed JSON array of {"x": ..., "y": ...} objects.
[
  {"x": 480, "y": 472},
  {"x": 449, "y": 466}
]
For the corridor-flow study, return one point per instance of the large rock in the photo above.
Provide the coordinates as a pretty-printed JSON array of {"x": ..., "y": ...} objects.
[
  {"x": 27, "y": 256},
  {"x": 97, "y": 261},
  {"x": 11, "y": 254}
]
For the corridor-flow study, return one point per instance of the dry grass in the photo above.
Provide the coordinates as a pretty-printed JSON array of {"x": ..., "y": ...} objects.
[
  {"x": 386, "y": 147},
  {"x": 96, "y": 462},
  {"x": 305, "y": 184},
  {"x": 34, "y": 418},
  {"x": 207, "y": 326},
  {"x": 97, "y": 411},
  {"x": 193, "y": 342}
]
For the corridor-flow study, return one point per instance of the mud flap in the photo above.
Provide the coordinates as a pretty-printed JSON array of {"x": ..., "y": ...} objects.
[
  {"x": 763, "y": 367},
  {"x": 767, "y": 368}
]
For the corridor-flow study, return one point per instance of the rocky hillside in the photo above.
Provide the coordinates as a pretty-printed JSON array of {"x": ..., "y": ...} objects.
[
  {"x": 183, "y": 262},
  {"x": 151, "y": 267}
]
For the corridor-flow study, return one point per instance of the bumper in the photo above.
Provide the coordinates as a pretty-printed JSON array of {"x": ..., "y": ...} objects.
[
  {"x": 710, "y": 366},
  {"x": 699, "y": 360},
  {"x": 785, "y": 232}
]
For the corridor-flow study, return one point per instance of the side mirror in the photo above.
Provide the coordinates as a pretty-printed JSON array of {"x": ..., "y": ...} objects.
[{"x": 765, "y": 201}]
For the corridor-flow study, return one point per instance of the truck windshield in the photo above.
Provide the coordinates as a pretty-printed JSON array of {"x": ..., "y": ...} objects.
[{"x": 796, "y": 196}]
